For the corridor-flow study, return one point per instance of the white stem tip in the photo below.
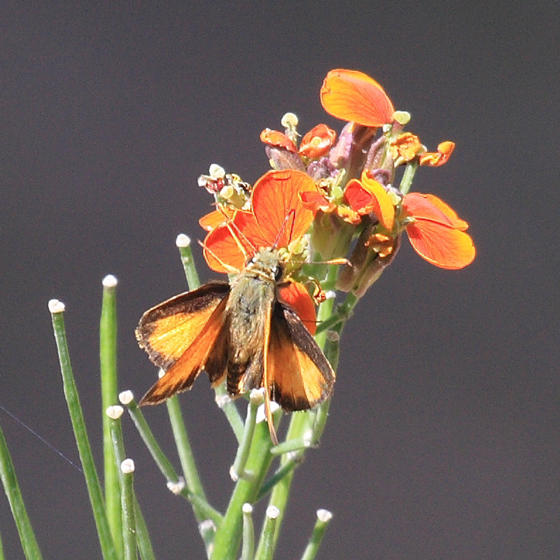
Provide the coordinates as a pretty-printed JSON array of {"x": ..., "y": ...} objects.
[
  {"x": 110, "y": 281},
  {"x": 233, "y": 474},
  {"x": 272, "y": 512},
  {"x": 177, "y": 486},
  {"x": 114, "y": 411},
  {"x": 56, "y": 306},
  {"x": 261, "y": 413},
  {"x": 324, "y": 515},
  {"x": 247, "y": 508},
  {"x": 127, "y": 466},
  {"x": 126, "y": 397},
  {"x": 183, "y": 241}
]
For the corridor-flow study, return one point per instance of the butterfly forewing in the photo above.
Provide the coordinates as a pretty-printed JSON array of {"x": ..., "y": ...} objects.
[{"x": 180, "y": 334}]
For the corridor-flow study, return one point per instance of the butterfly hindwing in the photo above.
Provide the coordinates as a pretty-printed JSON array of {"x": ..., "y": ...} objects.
[{"x": 299, "y": 374}]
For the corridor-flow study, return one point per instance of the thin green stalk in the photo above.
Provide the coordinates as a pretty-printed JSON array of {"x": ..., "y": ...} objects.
[
  {"x": 408, "y": 176},
  {"x": 108, "y": 367},
  {"x": 114, "y": 413},
  {"x": 238, "y": 468},
  {"x": 280, "y": 473},
  {"x": 142, "y": 535},
  {"x": 128, "y": 521},
  {"x": 17, "y": 505},
  {"x": 248, "y": 548},
  {"x": 265, "y": 550},
  {"x": 80, "y": 433},
  {"x": 174, "y": 483},
  {"x": 229, "y": 408},
  {"x": 186, "y": 457},
  {"x": 2, "y": 557},
  {"x": 183, "y": 243},
  {"x": 323, "y": 519},
  {"x": 228, "y": 535}
]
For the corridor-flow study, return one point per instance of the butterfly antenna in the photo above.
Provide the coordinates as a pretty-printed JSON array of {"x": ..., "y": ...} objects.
[
  {"x": 238, "y": 235},
  {"x": 291, "y": 214},
  {"x": 230, "y": 269}
]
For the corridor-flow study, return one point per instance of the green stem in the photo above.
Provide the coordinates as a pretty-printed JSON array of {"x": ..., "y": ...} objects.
[
  {"x": 17, "y": 505},
  {"x": 128, "y": 521},
  {"x": 265, "y": 550},
  {"x": 323, "y": 519},
  {"x": 248, "y": 548},
  {"x": 108, "y": 367},
  {"x": 173, "y": 481},
  {"x": 142, "y": 535},
  {"x": 80, "y": 433},
  {"x": 183, "y": 243},
  {"x": 229, "y": 408},
  {"x": 2, "y": 557},
  {"x": 238, "y": 468},
  {"x": 408, "y": 176},
  {"x": 186, "y": 457},
  {"x": 280, "y": 473},
  {"x": 228, "y": 535}
]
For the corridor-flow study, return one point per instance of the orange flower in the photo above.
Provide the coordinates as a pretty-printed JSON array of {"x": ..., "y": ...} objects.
[
  {"x": 277, "y": 139},
  {"x": 317, "y": 142},
  {"x": 405, "y": 146},
  {"x": 435, "y": 159},
  {"x": 434, "y": 230},
  {"x": 368, "y": 195},
  {"x": 278, "y": 218},
  {"x": 316, "y": 201},
  {"x": 353, "y": 96}
]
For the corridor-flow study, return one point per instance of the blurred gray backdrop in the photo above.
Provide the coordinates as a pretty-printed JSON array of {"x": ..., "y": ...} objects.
[{"x": 443, "y": 435}]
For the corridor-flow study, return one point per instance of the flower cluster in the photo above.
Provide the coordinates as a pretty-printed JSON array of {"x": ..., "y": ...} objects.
[{"x": 335, "y": 198}]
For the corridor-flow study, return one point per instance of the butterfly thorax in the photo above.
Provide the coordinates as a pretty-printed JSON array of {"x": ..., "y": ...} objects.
[{"x": 249, "y": 308}]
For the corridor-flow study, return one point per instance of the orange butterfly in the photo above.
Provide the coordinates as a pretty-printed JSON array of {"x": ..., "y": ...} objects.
[{"x": 242, "y": 331}]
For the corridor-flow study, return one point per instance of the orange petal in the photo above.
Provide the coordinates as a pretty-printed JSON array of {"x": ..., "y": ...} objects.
[
  {"x": 278, "y": 208},
  {"x": 315, "y": 201},
  {"x": 228, "y": 246},
  {"x": 406, "y": 145},
  {"x": 297, "y": 297},
  {"x": 216, "y": 218},
  {"x": 448, "y": 211},
  {"x": 317, "y": 142},
  {"x": 418, "y": 205},
  {"x": 353, "y": 96},
  {"x": 440, "y": 245},
  {"x": 277, "y": 139},
  {"x": 436, "y": 159}
]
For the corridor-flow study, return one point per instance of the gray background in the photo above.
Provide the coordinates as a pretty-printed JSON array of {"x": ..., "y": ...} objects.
[{"x": 443, "y": 435}]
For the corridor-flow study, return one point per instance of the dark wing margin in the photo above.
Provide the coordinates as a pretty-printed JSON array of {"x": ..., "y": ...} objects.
[
  {"x": 182, "y": 374},
  {"x": 300, "y": 376},
  {"x": 168, "y": 329}
]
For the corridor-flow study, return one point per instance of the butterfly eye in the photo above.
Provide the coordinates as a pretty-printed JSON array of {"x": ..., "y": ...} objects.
[{"x": 278, "y": 273}]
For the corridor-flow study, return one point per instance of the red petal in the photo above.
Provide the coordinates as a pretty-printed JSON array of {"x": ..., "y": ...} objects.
[
  {"x": 278, "y": 207},
  {"x": 277, "y": 139},
  {"x": 440, "y": 245},
  {"x": 353, "y": 96},
  {"x": 448, "y": 211},
  {"x": 216, "y": 218},
  {"x": 297, "y": 297},
  {"x": 358, "y": 198}
]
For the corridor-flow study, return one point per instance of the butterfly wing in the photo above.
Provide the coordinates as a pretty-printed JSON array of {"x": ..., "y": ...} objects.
[
  {"x": 299, "y": 374},
  {"x": 180, "y": 334}
]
